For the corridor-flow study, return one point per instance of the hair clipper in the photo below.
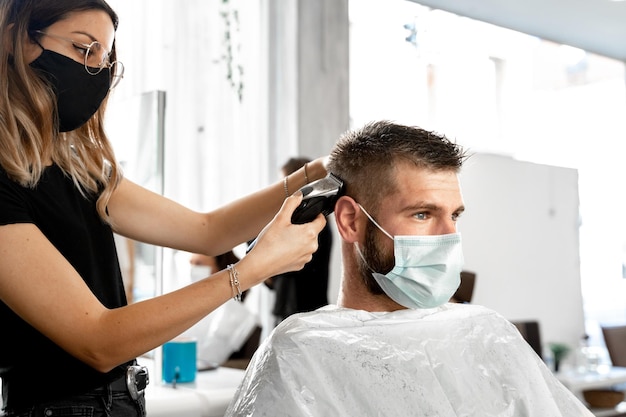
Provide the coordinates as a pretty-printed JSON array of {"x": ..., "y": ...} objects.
[{"x": 318, "y": 197}]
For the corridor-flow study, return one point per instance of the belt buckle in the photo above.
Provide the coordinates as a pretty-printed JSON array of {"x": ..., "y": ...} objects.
[{"x": 136, "y": 380}]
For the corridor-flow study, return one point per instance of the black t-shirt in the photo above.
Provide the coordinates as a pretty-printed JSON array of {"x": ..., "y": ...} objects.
[
  {"x": 306, "y": 289},
  {"x": 32, "y": 367}
]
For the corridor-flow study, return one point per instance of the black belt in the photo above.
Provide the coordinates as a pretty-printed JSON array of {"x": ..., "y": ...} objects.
[{"x": 134, "y": 381}]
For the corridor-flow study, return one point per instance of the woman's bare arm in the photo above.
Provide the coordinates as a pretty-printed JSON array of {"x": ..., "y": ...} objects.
[{"x": 39, "y": 285}]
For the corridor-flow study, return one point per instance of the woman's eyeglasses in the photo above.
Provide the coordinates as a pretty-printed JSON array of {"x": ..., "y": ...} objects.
[{"x": 96, "y": 58}]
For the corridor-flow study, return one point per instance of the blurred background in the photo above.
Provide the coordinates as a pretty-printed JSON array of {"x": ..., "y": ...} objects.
[{"x": 240, "y": 86}]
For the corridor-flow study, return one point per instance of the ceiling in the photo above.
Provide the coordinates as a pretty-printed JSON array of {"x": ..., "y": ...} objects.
[{"x": 597, "y": 26}]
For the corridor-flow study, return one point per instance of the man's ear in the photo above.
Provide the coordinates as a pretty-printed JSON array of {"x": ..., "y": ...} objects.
[{"x": 347, "y": 219}]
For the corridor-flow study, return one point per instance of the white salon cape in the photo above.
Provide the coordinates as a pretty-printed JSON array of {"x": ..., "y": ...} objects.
[{"x": 451, "y": 361}]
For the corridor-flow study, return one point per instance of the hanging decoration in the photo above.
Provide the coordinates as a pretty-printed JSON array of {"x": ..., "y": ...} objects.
[{"x": 232, "y": 47}]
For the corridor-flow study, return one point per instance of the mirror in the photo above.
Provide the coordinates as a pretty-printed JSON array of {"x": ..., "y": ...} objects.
[{"x": 136, "y": 129}]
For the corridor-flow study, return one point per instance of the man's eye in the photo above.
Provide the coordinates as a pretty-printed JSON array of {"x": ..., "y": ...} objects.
[{"x": 421, "y": 216}]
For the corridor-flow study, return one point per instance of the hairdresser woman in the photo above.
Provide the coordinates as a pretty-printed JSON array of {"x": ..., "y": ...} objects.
[{"x": 69, "y": 339}]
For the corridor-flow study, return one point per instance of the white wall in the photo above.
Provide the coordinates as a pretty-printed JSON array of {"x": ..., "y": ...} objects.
[{"x": 520, "y": 236}]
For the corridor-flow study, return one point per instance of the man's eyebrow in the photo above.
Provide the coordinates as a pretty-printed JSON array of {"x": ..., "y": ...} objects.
[
  {"x": 432, "y": 207},
  {"x": 424, "y": 205}
]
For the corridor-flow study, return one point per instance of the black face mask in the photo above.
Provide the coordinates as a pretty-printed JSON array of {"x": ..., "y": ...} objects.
[{"x": 79, "y": 94}]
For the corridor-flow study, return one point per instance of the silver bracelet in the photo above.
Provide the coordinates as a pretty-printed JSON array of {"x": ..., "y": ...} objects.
[
  {"x": 234, "y": 282},
  {"x": 286, "y": 187}
]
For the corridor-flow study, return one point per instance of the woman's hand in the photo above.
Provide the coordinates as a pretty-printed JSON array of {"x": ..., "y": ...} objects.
[{"x": 282, "y": 246}]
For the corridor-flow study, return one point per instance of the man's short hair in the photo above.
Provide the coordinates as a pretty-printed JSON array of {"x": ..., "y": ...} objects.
[{"x": 365, "y": 158}]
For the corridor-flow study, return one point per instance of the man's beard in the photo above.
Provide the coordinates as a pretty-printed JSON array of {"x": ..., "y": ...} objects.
[{"x": 375, "y": 258}]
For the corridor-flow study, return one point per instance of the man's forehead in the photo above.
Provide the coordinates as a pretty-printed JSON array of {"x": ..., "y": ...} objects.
[
  {"x": 423, "y": 188},
  {"x": 410, "y": 177}
]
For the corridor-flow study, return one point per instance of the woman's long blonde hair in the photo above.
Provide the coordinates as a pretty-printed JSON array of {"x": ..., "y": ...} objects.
[{"x": 29, "y": 133}]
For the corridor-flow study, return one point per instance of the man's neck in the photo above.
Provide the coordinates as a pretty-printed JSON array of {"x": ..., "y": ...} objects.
[{"x": 353, "y": 294}]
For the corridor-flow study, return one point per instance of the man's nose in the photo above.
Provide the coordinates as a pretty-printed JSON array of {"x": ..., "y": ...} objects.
[{"x": 446, "y": 227}]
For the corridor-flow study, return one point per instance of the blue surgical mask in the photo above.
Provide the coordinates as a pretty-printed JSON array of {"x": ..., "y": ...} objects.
[{"x": 427, "y": 269}]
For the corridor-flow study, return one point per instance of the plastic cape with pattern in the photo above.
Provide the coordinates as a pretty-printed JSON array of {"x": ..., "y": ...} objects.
[{"x": 450, "y": 361}]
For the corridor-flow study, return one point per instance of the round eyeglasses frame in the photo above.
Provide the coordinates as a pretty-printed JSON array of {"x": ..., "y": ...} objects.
[{"x": 89, "y": 51}]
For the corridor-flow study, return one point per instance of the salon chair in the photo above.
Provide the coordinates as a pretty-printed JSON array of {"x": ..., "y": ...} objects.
[
  {"x": 530, "y": 332},
  {"x": 465, "y": 291},
  {"x": 615, "y": 340}
]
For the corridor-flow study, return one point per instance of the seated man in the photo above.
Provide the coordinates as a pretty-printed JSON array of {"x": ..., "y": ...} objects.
[{"x": 393, "y": 345}]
